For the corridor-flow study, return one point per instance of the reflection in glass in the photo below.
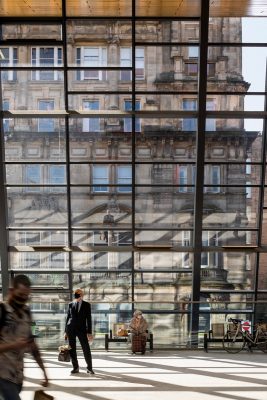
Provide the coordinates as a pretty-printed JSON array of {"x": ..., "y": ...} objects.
[
  {"x": 85, "y": 261},
  {"x": 164, "y": 207},
  {"x": 41, "y": 209},
  {"x": 162, "y": 261},
  {"x": 230, "y": 271},
  {"x": 104, "y": 286},
  {"x": 230, "y": 207}
]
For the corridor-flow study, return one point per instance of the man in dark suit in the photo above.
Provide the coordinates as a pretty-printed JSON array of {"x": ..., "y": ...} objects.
[{"x": 79, "y": 324}]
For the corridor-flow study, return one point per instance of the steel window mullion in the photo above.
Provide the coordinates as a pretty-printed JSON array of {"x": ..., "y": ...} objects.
[
  {"x": 133, "y": 22},
  {"x": 3, "y": 210},
  {"x": 200, "y": 158},
  {"x": 261, "y": 200},
  {"x": 65, "y": 63}
]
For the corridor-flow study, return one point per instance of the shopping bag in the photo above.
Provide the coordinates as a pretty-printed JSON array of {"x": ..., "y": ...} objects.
[
  {"x": 64, "y": 353},
  {"x": 41, "y": 395},
  {"x": 64, "y": 356}
]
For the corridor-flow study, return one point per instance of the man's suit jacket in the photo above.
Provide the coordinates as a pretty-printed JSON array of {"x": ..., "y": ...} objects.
[{"x": 81, "y": 321}]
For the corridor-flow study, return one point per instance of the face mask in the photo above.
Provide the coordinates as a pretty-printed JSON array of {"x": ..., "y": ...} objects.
[
  {"x": 77, "y": 295},
  {"x": 18, "y": 301}
]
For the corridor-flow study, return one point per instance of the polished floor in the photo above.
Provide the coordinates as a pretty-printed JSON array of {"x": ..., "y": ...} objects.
[{"x": 182, "y": 375}]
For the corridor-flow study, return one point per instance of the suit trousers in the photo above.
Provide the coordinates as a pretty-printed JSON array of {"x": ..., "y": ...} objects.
[{"x": 82, "y": 336}]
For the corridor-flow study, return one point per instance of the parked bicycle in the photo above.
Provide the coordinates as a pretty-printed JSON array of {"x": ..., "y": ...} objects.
[{"x": 235, "y": 338}]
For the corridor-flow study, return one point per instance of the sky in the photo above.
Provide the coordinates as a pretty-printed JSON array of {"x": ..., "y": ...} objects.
[{"x": 254, "y": 30}]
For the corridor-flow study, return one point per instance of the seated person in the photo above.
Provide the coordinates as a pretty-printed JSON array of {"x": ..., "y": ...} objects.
[{"x": 138, "y": 332}]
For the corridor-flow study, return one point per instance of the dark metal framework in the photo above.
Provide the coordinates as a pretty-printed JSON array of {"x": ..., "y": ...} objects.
[{"x": 197, "y": 247}]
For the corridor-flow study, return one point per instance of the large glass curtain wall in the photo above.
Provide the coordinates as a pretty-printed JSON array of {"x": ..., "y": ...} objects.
[{"x": 133, "y": 166}]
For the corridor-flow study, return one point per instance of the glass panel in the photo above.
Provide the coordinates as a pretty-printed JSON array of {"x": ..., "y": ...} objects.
[
  {"x": 90, "y": 139},
  {"x": 262, "y": 280},
  {"x": 31, "y": 56},
  {"x": 228, "y": 271},
  {"x": 31, "y": 31},
  {"x": 233, "y": 68},
  {"x": 37, "y": 238},
  {"x": 105, "y": 286},
  {"x": 85, "y": 261},
  {"x": 102, "y": 238},
  {"x": 167, "y": 238},
  {"x": 163, "y": 208},
  {"x": 91, "y": 52},
  {"x": 264, "y": 230},
  {"x": 170, "y": 330},
  {"x": 35, "y": 260},
  {"x": 171, "y": 287},
  {"x": 100, "y": 80},
  {"x": 24, "y": 140},
  {"x": 106, "y": 316},
  {"x": 116, "y": 104},
  {"x": 233, "y": 237},
  {"x": 166, "y": 174},
  {"x": 23, "y": 98},
  {"x": 166, "y": 138},
  {"x": 245, "y": 135},
  {"x": 230, "y": 207},
  {"x": 89, "y": 211},
  {"x": 224, "y": 302},
  {"x": 49, "y": 281},
  {"x": 230, "y": 174},
  {"x": 36, "y": 174},
  {"x": 169, "y": 65},
  {"x": 261, "y": 314},
  {"x": 243, "y": 102},
  {"x": 43, "y": 209},
  {"x": 162, "y": 260},
  {"x": 167, "y": 31},
  {"x": 236, "y": 30}
]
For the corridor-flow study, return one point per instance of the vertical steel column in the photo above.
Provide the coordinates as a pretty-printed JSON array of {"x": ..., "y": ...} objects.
[
  {"x": 133, "y": 146},
  {"x": 200, "y": 158},
  {"x": 66, "y": 97},
  {"x": 261, "y": 199},
  {"x": 3, "y": 198}
]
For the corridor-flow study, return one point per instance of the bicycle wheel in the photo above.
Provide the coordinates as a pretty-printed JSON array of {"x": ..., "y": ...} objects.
[
  {"x": 233, "y": 343},
  {"x": 262, "y": 345}
]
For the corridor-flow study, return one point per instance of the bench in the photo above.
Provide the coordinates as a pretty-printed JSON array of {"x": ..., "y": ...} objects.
[
  {"x": 214, "y": 335},
  {"x": 109, "y": 338}
]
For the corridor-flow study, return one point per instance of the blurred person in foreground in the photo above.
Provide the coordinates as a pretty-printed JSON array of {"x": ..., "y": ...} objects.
[
  {"x": 16, "y": 339},
  {"x": 79, "y": 324}
]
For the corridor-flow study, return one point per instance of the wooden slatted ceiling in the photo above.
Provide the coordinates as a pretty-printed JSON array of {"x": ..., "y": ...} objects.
[
  {"x": 191, "y": 8},
  {"x": 99, "y": 8},
  {"x": 147, "y": 8},
  {"x": 30, "y": 8}
]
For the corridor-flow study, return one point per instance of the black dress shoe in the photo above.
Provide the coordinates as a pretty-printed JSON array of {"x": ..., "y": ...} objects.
[
  {"x": 90, "y": 371},
  {"x": 74, "y": 371}
]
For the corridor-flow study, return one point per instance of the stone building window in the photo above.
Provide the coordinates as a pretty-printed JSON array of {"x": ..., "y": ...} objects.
[
  {"x": 126, "y": 61},
  {"x": 46, "y": 57},
  {"x": 33, "y": 177},
  {"x": 100, "y": 178},
  {"x": 91, "y": 124},
  {"x": 124, "y": 177},
  {"x": 46, "y": 124},
  {"x": 9, "y": 58},
  {"x": 57, "y": 176},
  {"x": 91, "y": 57},
  {"x": 189, "y": 124},
  {"x": 128, "y": 121}
]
